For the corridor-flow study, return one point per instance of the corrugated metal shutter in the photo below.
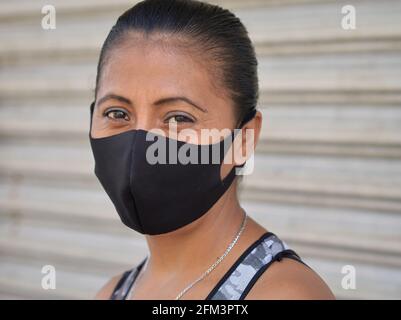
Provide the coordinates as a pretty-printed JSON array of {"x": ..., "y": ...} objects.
[{"x": 328, "y": 168}]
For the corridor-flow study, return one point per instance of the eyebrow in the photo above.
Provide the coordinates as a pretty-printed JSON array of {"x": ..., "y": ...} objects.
[
  {"x": 159, "y": 102},
  {"x": 179, "y": 98},
  {"x": 112, "y": 96}
]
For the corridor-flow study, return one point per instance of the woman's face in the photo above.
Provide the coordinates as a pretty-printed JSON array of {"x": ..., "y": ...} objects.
[{"x": 150, "y": 84}]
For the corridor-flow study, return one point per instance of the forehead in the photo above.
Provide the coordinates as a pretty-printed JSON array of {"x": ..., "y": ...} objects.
[{"x": 158, "y": 64}]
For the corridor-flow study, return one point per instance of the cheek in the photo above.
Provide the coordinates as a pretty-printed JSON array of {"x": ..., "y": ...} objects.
[
  {"x": 99, "y": 129},
  {"x": 222, "y": 112},
  {"x": 96, "y": 124},
  {"x": 223, "y": 118},
  {"x": 101, "y": 126}
]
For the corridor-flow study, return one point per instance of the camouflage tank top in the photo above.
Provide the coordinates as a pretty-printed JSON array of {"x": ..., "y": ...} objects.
[{"x": 239, "y": 279}]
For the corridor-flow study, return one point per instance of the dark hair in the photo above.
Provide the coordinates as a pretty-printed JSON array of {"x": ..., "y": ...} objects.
[{"x": 214, "y": 30}]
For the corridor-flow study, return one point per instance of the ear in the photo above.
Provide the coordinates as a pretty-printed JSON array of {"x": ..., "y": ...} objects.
[{"x": 245, "y": 142}]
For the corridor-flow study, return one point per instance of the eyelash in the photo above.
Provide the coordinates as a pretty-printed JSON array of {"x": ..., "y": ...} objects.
[
  {"x": 186, "y": 118},
  {"x": 109, "y": 111}
]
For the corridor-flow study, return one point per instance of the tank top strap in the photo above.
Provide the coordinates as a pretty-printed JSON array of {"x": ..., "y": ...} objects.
[
  {"x": 239, "y": 279},
  {"x": 242, "y": 276},
  {"x": 125, "y": 283}
]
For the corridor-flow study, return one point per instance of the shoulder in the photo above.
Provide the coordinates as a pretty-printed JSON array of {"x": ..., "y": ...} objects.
[
  {"x": 290, "y": 280},
  {"x": 108, "y": 288}
]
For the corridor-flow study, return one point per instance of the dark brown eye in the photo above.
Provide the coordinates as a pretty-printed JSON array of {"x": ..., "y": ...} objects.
[
  {"x": 179, "y": 118},
  {"x": 117, "y": 115}
]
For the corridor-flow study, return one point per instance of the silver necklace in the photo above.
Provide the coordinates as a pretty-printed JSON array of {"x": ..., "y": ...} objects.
[{"x": 214, "y": 265}]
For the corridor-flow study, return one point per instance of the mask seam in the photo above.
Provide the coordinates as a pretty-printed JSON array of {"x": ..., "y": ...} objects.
[{"x": 130, "y": 182}]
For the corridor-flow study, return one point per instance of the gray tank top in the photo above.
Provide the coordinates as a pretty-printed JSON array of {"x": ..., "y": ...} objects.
[{"x": 239, "y": 279}]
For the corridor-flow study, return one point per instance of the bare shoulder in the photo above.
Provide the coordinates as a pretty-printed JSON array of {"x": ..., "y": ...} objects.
[
  {"x": 290, "y": 280},
  {"x": 106, "y": 291}
]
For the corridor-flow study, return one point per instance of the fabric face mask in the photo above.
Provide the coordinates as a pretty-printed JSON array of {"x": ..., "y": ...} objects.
[{"x": 160, "y": 197}]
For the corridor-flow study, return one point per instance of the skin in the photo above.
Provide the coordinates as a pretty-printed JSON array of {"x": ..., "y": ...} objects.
[{"x": 142, "y": 71}]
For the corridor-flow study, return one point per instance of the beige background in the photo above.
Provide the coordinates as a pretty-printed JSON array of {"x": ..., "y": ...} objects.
[{"x": 328, "y": 169}]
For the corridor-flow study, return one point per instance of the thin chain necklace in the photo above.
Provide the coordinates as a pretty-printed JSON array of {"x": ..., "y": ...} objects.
[{"x": 214, "y": 265}]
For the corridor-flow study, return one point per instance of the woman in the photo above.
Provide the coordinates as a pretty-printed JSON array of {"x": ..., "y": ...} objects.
[{"x": 190, "y": 66}]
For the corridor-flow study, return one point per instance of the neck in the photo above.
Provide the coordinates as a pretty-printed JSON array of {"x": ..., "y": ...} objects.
[{"x": 199, "y": 244}]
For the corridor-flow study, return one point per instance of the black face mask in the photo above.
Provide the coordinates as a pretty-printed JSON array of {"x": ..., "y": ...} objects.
[{"x": 159, "y": 198}]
